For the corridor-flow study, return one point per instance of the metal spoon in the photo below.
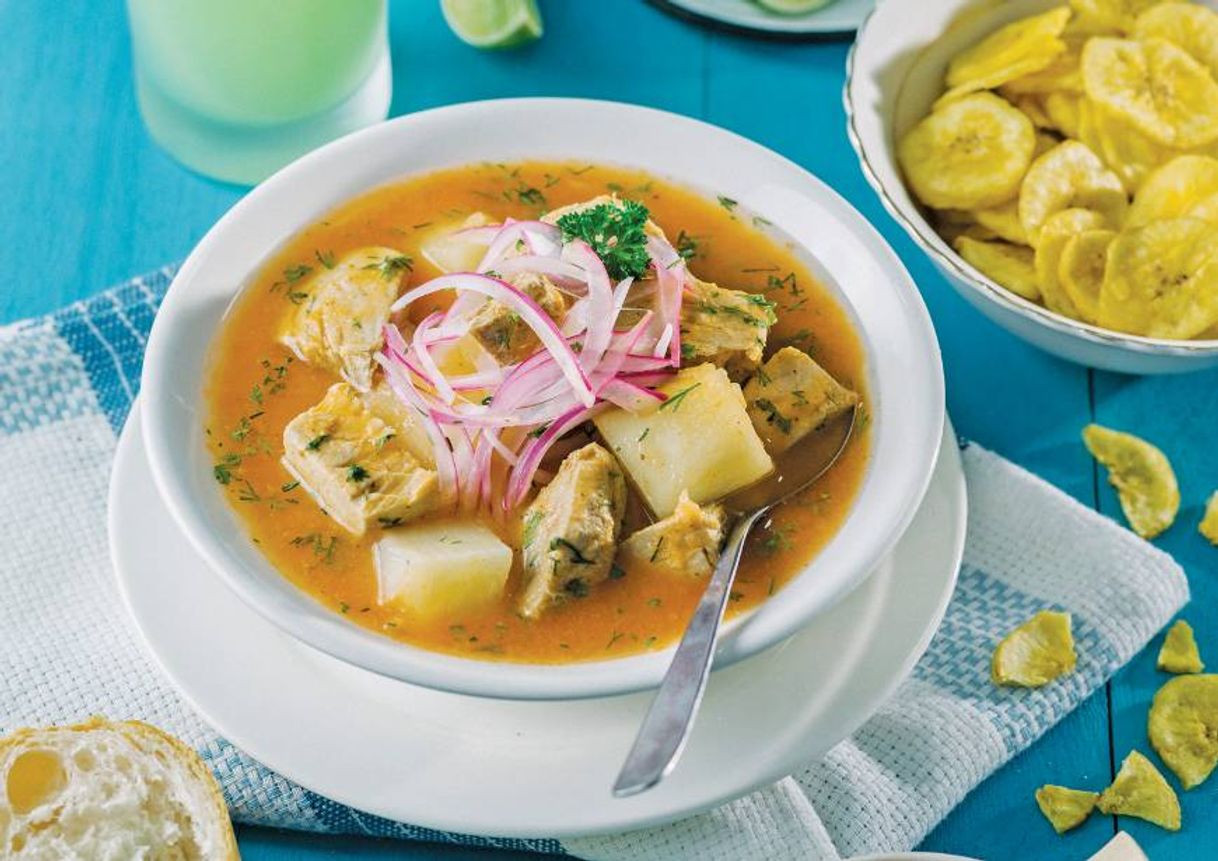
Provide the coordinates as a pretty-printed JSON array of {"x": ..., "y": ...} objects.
[{"x": 666, "y": 727}]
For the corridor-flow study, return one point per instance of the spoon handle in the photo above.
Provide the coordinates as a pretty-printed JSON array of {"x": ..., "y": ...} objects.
[{"x": 665, "y": 730}]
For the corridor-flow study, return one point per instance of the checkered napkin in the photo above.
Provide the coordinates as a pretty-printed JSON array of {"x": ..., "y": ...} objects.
[{"x": 67, "y": 650}]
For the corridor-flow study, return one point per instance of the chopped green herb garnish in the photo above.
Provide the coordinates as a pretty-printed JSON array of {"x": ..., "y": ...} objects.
[
  {"x": 317, "y": 442},
  {"x": 727, "y": 203},
  {"x": 617, "y": 635},
  {"x": 654, "y": 602},
  {"x": 577, "y": 587},
  {"x": 223, "y": 470},
  {"x": 289, "y": 487},
  {"x": 325, "y": 258},
  {"x": 687, "y": 246},
  {"x": 616, "y": 572},
  {"x": 294, "y": 273},
  {"x": 529, "y": 531},
  {"x": 643, "y": 435},
  {"x": 322, "y": 548},
  {"x": 343, "y": 607},
  {"x": 674, "y": 401},
  {"x": 357, "y": 473},
  {"x": 242, "y": 430},
  {"x": 389, "y": 522},
  {"x": 774, "y": 416},
  {"x": 392, "y": 266},
  {"x": 615, "y": 233},
  {"x": 297, "y": 297},
  {"x": 577, "y": 556},
  {"x": 778, "y": 539}
]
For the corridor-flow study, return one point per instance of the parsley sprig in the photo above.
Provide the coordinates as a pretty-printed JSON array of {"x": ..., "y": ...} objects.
[{"x": 615, "y": 233}]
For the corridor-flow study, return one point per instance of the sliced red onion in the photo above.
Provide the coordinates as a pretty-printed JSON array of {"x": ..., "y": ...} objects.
[
  {"x": 599, "y": 313},
  {"x": 535, "y": 450},
  {"x": 530, "y": 312},
  {"x": 431, "y": 371},
  {"x": 630, "y": 396}
]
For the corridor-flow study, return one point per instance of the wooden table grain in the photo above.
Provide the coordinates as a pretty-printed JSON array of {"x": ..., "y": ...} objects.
[{"x": 86, "y": 199}]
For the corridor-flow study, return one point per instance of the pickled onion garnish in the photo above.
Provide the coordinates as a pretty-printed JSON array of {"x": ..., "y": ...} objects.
[{"x": 512, "y": 414}]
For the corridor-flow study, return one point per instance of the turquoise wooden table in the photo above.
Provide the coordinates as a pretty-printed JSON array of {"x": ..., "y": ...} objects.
[{"x": 86, "y": 199}]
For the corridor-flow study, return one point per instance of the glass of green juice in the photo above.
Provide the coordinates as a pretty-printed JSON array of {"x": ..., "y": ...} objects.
[{"x": 235, "y": 89}]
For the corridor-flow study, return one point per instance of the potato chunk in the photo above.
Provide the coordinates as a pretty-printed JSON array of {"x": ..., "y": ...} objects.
[
  {"x": 500, "y": 330},
  {"x": 570, "y": 530},
  {"x": 685, "y": 542},
  {"x": 725, "y": 327},
  {"x": 791, "y": 396},
  {"x": 342, "y": 311},
  {"x": 357, "y": 464},
  {"x": 441, "y": 568},
  {"x": 700, "y": 440}
]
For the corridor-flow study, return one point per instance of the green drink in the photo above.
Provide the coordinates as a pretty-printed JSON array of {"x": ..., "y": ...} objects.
[{"x": 235, "y": 89}]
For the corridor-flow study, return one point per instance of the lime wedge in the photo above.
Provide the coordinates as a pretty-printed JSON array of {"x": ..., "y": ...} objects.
[
  {"x": 493, "y": 23},
  {"x": 792, "y": 7}
]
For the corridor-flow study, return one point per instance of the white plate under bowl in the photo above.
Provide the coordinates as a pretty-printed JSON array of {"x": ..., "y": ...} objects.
[
  {"x": 512, "y": 768},
  {"x": 839, "y": 17},
  {"x": 904, "y": 372},
  {"x": 894, "y": 74}
]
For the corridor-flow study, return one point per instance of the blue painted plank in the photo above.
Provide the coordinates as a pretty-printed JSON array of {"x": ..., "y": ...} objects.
[
  {"x": 1001, "y": 393},
  {"x": 1178, "y": 415}
]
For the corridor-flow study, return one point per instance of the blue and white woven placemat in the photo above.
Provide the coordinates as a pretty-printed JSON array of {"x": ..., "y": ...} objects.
[{"x": 67, "y": 650}]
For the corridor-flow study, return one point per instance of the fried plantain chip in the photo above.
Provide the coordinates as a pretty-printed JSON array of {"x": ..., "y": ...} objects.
[
  {"x": 1003, "y": 221},
  {"x": 1141, "y": 474},
  {"x": 1020, "y": 48},
  {"x": 1162, "y": 279},
  {"x": 1179, "y": 653},
  {"x": 1037, "y": 652},
  {"x": 1062, "y": 109},
  {"x": 1033, "y": 107},
  {"x": 1186, "y": 186},
  {"x": 1209, "y": 523},
  {"x": 1141, "y": 791},
  {"x": 1009, "y": 265},
  {"x": 969, "y": 154},
  {"x": 1193, "y": 28},
  {"x": 1130, "y": 154},
  {"x": 1056, "y": 233},
  {"x": 1069, "y": 176},
  {"x": 1065, "y": 808},
  {"x": 1084, "y": 259},
  {"x": 1183, "y": 727},
  {"x": 1101, "y": 16},
  {"x": 1155, "y": 86},
  {"x": 1061, "y": 75}
]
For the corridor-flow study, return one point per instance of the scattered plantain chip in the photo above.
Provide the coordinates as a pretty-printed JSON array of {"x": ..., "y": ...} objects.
[
  {"x": 1026, "y": 46},
  {"x": 1154, "y": 85},
  {"x": 1184, "y": 187},
  {"x": 1179, "y": 653},
  {"x": 1009, "y": 265},
  {"x": 1069, "y": 176},
  {"x": 1037, "y": 652},
  {"x": 1142, "y": 476},
  {"x": 968, "y": 154},
  {"x": 1209, "y": 523},
  {"x": 1183, "y": 727},
  {"x": 1065, "y": 808},
  {"x": 1141, "y": 791},
  {"x": 1162, "y": 279}
]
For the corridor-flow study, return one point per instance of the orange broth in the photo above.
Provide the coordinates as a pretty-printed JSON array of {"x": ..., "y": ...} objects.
[{"x": 257, "y": 386}]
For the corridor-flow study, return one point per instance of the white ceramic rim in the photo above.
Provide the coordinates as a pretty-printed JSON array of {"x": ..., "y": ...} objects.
[
  {"x": 835, "y": 19},
  {"x": 904, "y": 369},
  {"x": 915, "y": 224}
]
